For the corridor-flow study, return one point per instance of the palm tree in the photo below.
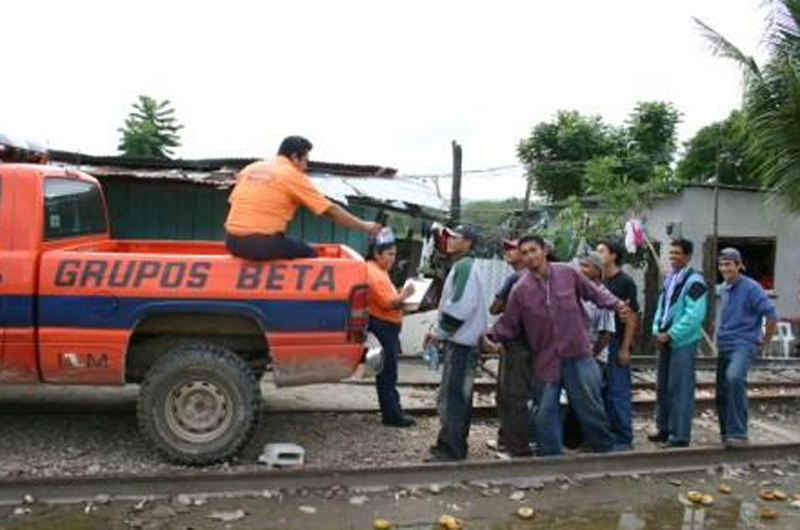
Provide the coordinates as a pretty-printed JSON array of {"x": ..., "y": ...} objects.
[{"x": 772, "y": 100}]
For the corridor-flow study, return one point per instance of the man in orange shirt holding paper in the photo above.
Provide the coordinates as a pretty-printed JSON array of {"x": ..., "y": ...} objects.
[{"x": 265, "y": 199}]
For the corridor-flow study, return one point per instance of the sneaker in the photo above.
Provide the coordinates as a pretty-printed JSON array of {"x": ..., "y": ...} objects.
[
  {"x": 402, "y": 421},
  {"x": 674, "y": 444},
  {"x": 502, "y": 455},
  {"x": 438, "y": 456},
  {"x": 657, "y": 437},
  {"x": 733, "y": 443}
]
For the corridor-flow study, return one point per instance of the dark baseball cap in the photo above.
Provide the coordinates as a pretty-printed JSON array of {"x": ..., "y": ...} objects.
[
  {"x": 466, "y": 231},
  {"x": 730, "y": 254}
]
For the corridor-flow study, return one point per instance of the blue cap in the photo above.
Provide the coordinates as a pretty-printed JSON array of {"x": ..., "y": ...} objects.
[{"x": 730, "y": 254}]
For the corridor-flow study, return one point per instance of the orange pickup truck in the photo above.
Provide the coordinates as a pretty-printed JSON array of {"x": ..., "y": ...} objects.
[{"x": 195, "y": 327}]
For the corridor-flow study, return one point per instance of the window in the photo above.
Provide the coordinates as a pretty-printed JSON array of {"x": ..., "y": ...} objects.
[
  {"x": 758, "y": 255},
  {"x": 72, "y": 208}
]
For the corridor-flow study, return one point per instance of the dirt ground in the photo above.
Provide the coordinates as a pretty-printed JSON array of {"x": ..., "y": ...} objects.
[
  {"x": 64, "y": 434},
  {"x": 49, "y": 441}
]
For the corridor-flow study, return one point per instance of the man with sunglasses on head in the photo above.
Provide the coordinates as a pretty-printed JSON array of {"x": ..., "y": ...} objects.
[{"x": 744, "y": 305}]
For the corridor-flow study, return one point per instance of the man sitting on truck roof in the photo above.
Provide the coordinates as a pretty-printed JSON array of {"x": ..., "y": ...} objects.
[{"x": 265, "y": 198}]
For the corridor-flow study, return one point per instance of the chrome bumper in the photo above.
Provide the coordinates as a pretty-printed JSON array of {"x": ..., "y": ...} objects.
[{"x": 373, "y": 356}]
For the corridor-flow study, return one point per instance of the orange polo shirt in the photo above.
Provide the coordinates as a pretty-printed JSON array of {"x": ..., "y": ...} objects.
[
  {"x": 382, "y": 293},
  {"x": 266, "y": 196}
]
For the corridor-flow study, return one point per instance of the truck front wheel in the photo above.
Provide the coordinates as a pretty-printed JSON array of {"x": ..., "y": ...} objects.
[{"x": 199, "y": 404}]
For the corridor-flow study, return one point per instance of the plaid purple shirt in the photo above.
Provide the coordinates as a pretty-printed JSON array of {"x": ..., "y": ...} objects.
[{"x": 550, "y": 315}]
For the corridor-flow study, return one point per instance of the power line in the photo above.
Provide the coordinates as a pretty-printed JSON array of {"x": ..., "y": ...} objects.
[
  {"x": 477, "y": 171},
  {"x": 493, "y": 169}
]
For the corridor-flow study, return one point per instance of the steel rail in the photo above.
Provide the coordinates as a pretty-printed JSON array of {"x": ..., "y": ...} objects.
[
  {"x": 640, "y": 404},
  {"x": 701, "y": 363},
  {"x": 706, "y": 363},
  {"x": 483, "y": 411},
  {"x": 523, "y": 472},
  {"x": 490, "y": 386}
]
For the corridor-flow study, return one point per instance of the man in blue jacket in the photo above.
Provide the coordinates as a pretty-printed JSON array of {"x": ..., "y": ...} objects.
[
  {"x": 678, "y": 327},
  {"x": 743, "y": 307}
]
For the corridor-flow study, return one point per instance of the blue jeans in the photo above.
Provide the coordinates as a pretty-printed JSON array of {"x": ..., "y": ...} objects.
[
  {"x": 732, "y": 366},
  {"x": 675, "y": 396},
  {"x": 455, "y": 399},
  {"x": 388, "y": 335},
  {"x": 258, "y": 247},
  {"x": 618, "y": 399},
  {"x": 582, "y": 380}
]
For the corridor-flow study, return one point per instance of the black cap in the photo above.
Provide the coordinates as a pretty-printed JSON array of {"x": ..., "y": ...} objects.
[{"x": 466, "y": 231}]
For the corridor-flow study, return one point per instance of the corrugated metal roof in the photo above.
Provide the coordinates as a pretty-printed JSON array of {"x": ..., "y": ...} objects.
[
  {"x": 340, "y": 182},
  {"x": 393, "y": 192},
  {"x": 396, "y": 193},
  {"x": 220, "y": 179},
  {"x": 210, "y": 164}
]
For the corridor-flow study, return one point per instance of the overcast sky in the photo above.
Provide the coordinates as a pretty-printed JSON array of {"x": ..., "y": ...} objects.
[{"x": 378, "y": 82}]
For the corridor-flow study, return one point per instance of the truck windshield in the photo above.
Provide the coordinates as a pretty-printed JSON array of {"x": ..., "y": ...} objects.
[{"x": 72, "y": 208}]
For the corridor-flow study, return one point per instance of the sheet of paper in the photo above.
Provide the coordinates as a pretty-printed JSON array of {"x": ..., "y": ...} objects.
[{"x": 421, "y": 286}]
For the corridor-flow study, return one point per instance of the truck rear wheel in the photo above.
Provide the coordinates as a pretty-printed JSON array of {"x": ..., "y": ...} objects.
[{"x": 199, "y": 404}]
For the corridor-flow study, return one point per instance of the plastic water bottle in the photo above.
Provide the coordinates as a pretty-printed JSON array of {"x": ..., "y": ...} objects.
[{"x": 431, "y": 356}]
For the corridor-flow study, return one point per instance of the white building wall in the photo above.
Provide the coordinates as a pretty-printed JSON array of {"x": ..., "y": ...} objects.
[{"x": 741, "y": 214}]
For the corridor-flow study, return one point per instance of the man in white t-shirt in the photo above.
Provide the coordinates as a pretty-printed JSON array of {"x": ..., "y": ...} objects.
[{"x": 601, "y": 321}]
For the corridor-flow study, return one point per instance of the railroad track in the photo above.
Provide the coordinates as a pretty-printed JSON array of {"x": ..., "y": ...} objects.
[
  {"x": 701, "y": 363},
  {"x": 490, "y": 386},
  {"x": 710, "y": 363},
  {"x": 766, "y": 393},
  {"x": 483, "y": 411},
  {"x": 519, "y": 472}
]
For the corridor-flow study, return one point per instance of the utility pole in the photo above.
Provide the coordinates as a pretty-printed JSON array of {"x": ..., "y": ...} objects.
[
  {"x": 526, "y": 205},
  {"x": 715, "y": 244},
  {"x": 711, "y": 317},
  {"x": 455, "y": 198}
]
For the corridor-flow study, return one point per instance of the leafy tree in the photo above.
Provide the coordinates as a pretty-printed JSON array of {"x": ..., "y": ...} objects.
[
  {"x": 772, "y": 101},
  {"x": 556, "y": 152},
  {"x": 719, "y": 148},
  {"x": 652, "y": 131},
  {"x": 489, "y": 214},
  {"x": 151, "y": 129},
  {"x": 624, "y": 168}
]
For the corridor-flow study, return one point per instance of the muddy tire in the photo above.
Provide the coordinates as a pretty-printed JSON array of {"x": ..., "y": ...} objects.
[{"x": 199, "y": 404}]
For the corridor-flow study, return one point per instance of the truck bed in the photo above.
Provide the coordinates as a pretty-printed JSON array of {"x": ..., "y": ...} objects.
[
  {"x": 199, "y": 248},
  {"x": 96, "y": 297}
]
